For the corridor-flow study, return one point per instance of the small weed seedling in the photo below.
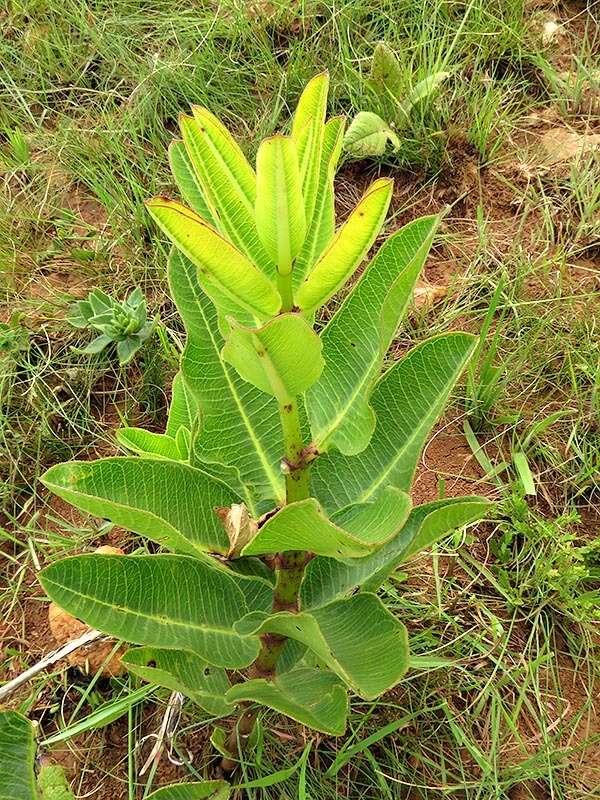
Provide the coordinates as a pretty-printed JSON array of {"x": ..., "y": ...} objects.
[
  {"x": 369, "y": 134},
  {"x": 124, "y": 324},
  {"x": 278, "y": 493}
]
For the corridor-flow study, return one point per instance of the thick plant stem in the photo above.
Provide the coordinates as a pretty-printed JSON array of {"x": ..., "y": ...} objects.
[
  {"x": 284, "y": 285},
  {"x": 289, "y": 571}
]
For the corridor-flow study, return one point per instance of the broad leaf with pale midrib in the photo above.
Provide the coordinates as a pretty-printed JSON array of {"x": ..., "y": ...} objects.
[
  {"x": 357, "y": 638},
  {"x": 169, "y": 502},
  {"x": 326, "y": 580},
  {"x": 283, "y": 358},
  {"x": 175, "y": 602},
  {"x": 407, "y": 401},
  {"x": 312, "y": 697},
  {"x": 355, "y": 531},
  {"x": 240, "y": 424},
  {"x": 358, "y": 336}
]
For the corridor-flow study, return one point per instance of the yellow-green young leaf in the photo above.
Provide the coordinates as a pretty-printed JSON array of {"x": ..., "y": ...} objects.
[
  {"x": 187, "y": 182},
  {"x": 348, "y": 248},
  {"x": 313, "y": 697},
  {"x": 216, "y": 259},
  {"x": 326, "y": 580},
  {"x": 407, "y": 401},
  {"x": 172, "y": 602},
  {"x": 358, "y": 336},
  {"x": 228, "y": 182},
  {"x": 355, "y": 531},
  {"x": 17, "y": 757},
  {"x": 356, "y": 638},
  {"x": 279, "y": 206},
  {"x": 182, "y": 672},
  {"x": 283, "y": 358},
  {"x": 168, "y": 501},
  {"x": 307, "y": 131},
  {"x": 199, "y": 790},
  {"x": 321, "y": 229}
]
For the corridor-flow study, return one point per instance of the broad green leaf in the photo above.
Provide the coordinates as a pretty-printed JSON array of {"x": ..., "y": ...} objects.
[
  {"x": 348, "y": 248},
  {"x": 368, "y": 135},
  {"x": 283, "y": 358},
  {"x": 279, "y": 210},
  {"x": 183, "y": 410},
  {"x": 326, "y": 580},
  {"x": 217, "y": 260},
  {"x": 321, "y": 230},
  {"x": 240, "y": 424},
  {"x": 228, "y": 182},
  {"x": 421, "y": 90},
  {"x": 407, "y": 401},
  {"x": 147, "y": 443},
  {"x": 166, "y": 601},
  {"x": 357, "y": 338},
  {"x": 17, "y": 756},
  {"x": 307, "y": 132},
  {"x": 182, "y": 672},
  {"x": 312, "y": 697},
  {"x": 199, "y": 790},
  {"x": 386, "y": 74},
  {"x": 187, "y": 182},
  {"x": 168, "y": 501},
  {"x": 357, "y": 638},
  {"x": 355, "y": 531}
]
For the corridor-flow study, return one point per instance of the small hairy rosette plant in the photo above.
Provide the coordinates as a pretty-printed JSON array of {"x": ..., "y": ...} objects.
[
  {"x": 125, "y": 324},
  {"x": 279, "y": 492}
]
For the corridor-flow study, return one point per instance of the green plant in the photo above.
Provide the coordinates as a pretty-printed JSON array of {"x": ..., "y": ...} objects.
[
  {"x": 369, "y": 134},
  {"x": 125, "y": 324},
  {"x": 280, "y": 486}
]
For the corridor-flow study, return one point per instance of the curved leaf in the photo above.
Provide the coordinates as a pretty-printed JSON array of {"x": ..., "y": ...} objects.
[
  {"x": 283, "y": 358},
  {"x": 368, "y": 135},
  {"x": 172, "y": 602},
  {"x": 169, "y": 502},
  {"x": 217, "y": 260},
  {"x": 312, "y": 697},
  {"x": 326, "y": 580},
  {"x": 355, "y": 531},
  {"x": 357, "y": 638},
  {"x": 357, "y": 338},
  {"x": 348, "y": 248},
  {"x": 182, "y": 672},
  {"x": 407, "y": 401},
  {"x": 148, "y": 443},
  {"x": 279, "y": 209}
]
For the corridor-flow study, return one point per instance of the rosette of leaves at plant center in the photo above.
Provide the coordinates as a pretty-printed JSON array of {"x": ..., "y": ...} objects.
[{"x": 124, "y": 324}]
